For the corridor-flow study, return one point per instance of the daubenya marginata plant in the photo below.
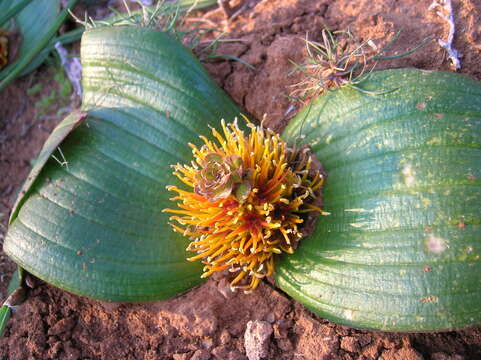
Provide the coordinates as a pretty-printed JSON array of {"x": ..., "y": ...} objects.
[{"x": 397, "y": 246}]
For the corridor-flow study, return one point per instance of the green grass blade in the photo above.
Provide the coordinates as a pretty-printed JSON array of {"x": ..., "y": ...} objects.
[
  {"x": 229, "y": 57},
  {"x": 195, "y": 4},
  {"x": 32, "y": 23},
  {"x": 14, "y": 10},
  {"x": 15, "y": 286},
  {"x": 16, "y": 281},
  {"x": 18, "y": 67},
  {"x": 4, "y": 317},
  {"x": 64, "y": 39}
]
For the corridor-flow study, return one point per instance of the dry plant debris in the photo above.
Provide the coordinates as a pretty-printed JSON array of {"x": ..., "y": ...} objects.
[
  {"x": 340, "y": 60},
  {"x": 72, "y": 68},
  {"x": 331, "y": 63},
  {"x": 447, "y": 14}
]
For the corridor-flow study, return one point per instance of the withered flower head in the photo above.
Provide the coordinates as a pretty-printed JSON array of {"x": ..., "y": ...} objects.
[{"x": 247, "y": 201}]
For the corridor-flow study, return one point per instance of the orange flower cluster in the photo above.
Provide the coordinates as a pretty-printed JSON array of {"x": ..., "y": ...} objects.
[{"x": 246, "y": 201}]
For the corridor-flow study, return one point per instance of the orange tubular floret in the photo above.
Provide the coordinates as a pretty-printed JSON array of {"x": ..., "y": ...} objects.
[{"x": 242, "y": 232}]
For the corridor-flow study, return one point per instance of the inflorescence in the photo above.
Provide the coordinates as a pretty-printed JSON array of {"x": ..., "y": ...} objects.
[{"x": 247, "y": 201}]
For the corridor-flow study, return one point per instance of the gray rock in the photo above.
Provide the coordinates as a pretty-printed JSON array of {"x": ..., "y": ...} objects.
[{"x": 256, "y": 339}]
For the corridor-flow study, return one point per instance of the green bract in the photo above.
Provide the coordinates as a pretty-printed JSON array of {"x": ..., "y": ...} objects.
[{"x": 397, "y": 249}]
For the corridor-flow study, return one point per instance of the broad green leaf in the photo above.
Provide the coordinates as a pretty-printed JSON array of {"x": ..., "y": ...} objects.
[
  {"x": 93, "y": 225},
  {"x": 400, "y": 246},
  {"x": 52, "y": 143}
]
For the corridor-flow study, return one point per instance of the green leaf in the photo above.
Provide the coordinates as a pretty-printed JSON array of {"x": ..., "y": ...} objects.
[
  {"x": 195, "y": 4},
  {"x": 243, "y": 190},
  {"x": 58, "y": 135},
  {"x": 37, "y": 28},
  {"x": 16, "y": 295},
  {"x": 94, "y": 225},
  {"x": 74, "y": 35},
  {"x": 16, "y": 281},
  {"x": 34, "y": 22},
  {"x": 400, "y": 249},
  {"x": 4, "y": 317},
  {"x": 9, "y": 10}
]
